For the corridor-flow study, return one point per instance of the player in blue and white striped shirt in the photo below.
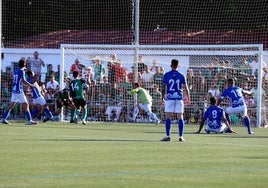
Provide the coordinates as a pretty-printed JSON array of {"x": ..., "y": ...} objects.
[
  {"x": 38, "y": 99},
  {"x": 18, "y": 94},
  {"x": 237, "y": 102}
]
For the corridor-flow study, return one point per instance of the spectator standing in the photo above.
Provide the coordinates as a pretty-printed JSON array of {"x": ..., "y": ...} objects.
[
  {"x": 35, "y": 63},
  {"x": 254, "y": 65},
  {"x": 76, "y": 67},
  {"x": 57, "y": 74},
  {"x": 120, "y": 72},
  {"x": 237, "y": 101},
  {"x": 98, "y": 69},
  {"x": 198, "y": 84},
  {"x": 246, "y": 71},
  {"x": 153, "y": 67},
  {"x": 105, "y": 87},
  {"x": 158, "y": 77},
  {"x": 111, "y": 68},
  {"x": 18, "y": 94},
  {"x": 131, "y": 76},
  {"x": 215, "y": 66},
  {"x": 147, "y": 78},
  {"x": 49, "y": 72},
  {"x": 190, "y": 78},
  {"x": 141, "y": 64},
  {"x": 172, "y": 92},
  {"x": 88, "y": 75}
]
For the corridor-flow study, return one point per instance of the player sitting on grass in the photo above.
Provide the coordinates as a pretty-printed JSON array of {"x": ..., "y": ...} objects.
[
  {"x": 38, "y": 99},
  {"x": 215, "y": 119}
]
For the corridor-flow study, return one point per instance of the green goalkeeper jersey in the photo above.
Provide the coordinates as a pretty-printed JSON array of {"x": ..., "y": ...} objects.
[
  {"x": 77, "y": 88},
  {"x": 142, "y": 95}
]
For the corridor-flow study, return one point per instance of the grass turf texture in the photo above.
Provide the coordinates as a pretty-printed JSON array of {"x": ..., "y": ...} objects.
[{"x": 129, "y": 155}]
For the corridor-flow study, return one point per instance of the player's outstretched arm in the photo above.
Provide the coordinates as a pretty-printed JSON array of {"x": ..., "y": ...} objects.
[{"x": 201, "y": 126}]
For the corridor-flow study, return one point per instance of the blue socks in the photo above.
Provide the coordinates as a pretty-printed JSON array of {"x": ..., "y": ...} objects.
[
  {"x": 180, "y": 127},
  {"x": 6, "y": 114},
  {"x": 34, "y": 112},
  {"x": 28, "y": 116},
  {"x": 247, "y": 123},
  {"x": 168, "y": 127},
  {"x": 48, "y": 112}
]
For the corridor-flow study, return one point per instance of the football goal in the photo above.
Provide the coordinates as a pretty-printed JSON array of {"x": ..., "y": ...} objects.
[{"x": 111, "y": 70}]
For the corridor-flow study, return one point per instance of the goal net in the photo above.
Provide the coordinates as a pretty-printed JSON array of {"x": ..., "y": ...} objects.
[{"x": 111, "y": 70}]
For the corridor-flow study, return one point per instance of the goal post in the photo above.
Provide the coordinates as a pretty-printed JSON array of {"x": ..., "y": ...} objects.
[{"x": 203, "y": 65}]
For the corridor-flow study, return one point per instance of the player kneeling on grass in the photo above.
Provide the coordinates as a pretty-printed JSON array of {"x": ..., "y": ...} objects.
[
  {"x": 38, "y": 99},
  {"x": 215, "y": 119},
  {"x": 145, "y": 103}
]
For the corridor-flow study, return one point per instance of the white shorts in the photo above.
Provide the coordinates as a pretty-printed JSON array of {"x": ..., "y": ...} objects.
[
  {"x": 174, "y": 106},
  {"x": 39, "y": 100},
  {"x": 146, "y": 107},
  {"x": 19, "y": 97},
  {"x": 221, "y": 129},
  {"x": 242, "y": 110}
]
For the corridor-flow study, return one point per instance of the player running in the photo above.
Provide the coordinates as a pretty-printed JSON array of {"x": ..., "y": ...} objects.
[
  {"x": 18, "y": 94},
  {"x": 77, "y": 87},
  {"x": 145, "y": 103},
  {"x": 38, "y": 99},
  {"x": 237, "y": 101},
  {"x": 215, "y": 119},
  {"x": 174, "y": 83}
]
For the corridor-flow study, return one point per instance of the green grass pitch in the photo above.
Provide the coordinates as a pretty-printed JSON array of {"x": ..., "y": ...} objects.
[{"x": 117, "y": 155}]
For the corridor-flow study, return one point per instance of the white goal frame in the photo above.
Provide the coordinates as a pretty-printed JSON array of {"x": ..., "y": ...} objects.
[{"x": 91, "y": 50}]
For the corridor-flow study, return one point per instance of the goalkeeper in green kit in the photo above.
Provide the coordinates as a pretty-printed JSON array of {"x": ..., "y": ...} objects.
[
  {"x": 77, "y": 87},
  {"x": 145, "y": 103}
]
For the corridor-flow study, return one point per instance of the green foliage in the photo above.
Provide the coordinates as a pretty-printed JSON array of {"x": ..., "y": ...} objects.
[{"x": 129, "y": 155}]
